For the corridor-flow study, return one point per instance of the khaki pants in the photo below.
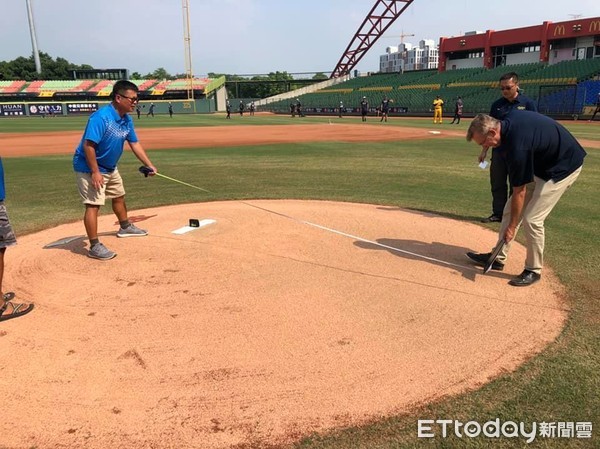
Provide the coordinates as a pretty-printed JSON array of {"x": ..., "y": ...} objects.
[{"x": 540, "y": 199}]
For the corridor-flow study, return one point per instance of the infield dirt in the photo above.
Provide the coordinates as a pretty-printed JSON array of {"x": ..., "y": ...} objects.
[{"x": 259, "y": 328}]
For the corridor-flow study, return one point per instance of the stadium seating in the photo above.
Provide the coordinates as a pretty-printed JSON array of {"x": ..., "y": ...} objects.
[
  {"x": 144, "y": 85},
  {"x": 181, "y": 84},
  {"x": 8, "y": 87},
  {"x": 478, "y": 88},
  {"x": 59, "y": 86}
]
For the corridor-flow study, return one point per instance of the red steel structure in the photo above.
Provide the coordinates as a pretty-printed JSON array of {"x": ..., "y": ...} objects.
[{"x": 379, "y": 19}]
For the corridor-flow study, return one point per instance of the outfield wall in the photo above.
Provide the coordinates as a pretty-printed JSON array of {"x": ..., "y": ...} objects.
[{"x": 52, "y": 108}]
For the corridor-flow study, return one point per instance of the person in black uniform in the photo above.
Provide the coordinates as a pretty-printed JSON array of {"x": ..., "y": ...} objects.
[
  {"x": 511, "y": 99},
  {"x": 228, "y": 109},
  {"x": 458, "y": 110},
  {"x": 544, "y": 160},
  {"x": 597, "y": 107},
  {"x": 385, "y": 108},
  {"x": 364, "y": 108},
  {"x": 151, "y": 110},
  {"x": 170, "y": 110},
  {"x": 241, "y": 108}
]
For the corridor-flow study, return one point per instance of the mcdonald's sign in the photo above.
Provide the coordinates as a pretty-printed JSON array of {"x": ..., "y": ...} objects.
[
  {"x": 595, "y": 25},
  {"x": 559, "y": 30}
]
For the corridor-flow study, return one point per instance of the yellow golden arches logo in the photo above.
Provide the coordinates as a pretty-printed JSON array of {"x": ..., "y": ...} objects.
[
  {"x": 559, "y": 30},
  {"x": 595, "y": 25}
]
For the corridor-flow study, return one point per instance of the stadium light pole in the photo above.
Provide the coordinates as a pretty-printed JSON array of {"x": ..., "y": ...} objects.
[
  {"x": 36, "y": 54},
  {"x": 187, "y": 41}
]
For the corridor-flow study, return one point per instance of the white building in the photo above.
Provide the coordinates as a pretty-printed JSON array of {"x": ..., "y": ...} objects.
[{"x": 404, "y": 57}]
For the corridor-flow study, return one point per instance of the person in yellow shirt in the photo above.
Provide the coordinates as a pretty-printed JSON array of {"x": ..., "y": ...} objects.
[{"x": 437, "y": 109}]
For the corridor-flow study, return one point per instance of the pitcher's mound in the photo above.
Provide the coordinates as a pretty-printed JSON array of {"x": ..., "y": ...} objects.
[{"x": 257, "y": 328}]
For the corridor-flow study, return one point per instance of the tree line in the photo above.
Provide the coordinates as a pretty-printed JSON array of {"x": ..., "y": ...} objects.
[{"x": 238, "y": 86}]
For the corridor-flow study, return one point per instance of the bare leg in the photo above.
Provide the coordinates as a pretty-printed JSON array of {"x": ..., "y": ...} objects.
[
  {"x": 2, "y": 250},
  {"x": 90, "y": 220},
  {"x": 119, "y": 208}
]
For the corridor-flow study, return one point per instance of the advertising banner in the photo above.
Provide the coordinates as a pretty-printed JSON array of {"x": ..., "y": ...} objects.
[
  {"x": 12, "y": 110},
  {"x": 81, "y": 108},
  {"x": 45, "y": 109}
]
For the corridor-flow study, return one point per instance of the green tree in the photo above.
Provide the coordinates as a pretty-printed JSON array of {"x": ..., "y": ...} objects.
[{"x": 160, "y": 74}]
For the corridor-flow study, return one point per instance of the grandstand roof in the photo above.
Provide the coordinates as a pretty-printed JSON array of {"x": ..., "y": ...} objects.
[{"x": 545, "y": 34}]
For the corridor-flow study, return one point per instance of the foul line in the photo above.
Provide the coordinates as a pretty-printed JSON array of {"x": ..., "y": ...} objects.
[{"x": 334, "y": 231}]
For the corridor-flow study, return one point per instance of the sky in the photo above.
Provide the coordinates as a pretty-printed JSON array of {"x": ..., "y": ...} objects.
[{"x": 248, "y": 36}]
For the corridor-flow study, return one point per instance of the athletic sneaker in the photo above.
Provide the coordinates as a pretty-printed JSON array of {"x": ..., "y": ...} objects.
[
  {"x": 131, "y": 231},
  {"x": 101, "y": 252},
  {"x": 482, "y": 258}
]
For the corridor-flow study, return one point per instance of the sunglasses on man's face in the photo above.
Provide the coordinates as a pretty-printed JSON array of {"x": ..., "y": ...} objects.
[{"x": 132, "y": 99}]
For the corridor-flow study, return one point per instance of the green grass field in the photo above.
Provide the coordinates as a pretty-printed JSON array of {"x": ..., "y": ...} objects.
[{"x": 436, "y": 175}]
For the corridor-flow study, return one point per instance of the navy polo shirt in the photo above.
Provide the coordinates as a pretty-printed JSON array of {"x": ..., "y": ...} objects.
[
  {"x": 537, "y": 145},
  {"x": 109, "y": 131},
  {"x": 501, "y": 107}
]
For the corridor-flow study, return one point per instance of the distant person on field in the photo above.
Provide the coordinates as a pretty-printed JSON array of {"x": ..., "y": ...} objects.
[
  {"x": 458, "y": 111},
  {"x": 364, "y": 108},
  {"x": 293, "y": 109},
  {"x": 228, "y": 109},
  {"x": 170, "y": 110},
  {"x": 95, "y": 164},
  {"x": 511, "y": 99},
  {"x": 151, "y": 110},
  {"x": 8, "y": 308},
  {"x": 385, "y": 108},
  {"x": 241, "y": 107},
  {"x": 252, "y": 108},
  {"x": 597, "y": 107},
  {"x": 299, "y": 108},
  {"x": 138, "y": 110},
  {"x": 341, "y": 108},
  {"x": 544, "y": 160},
  {"x": 438, "y": 104}
]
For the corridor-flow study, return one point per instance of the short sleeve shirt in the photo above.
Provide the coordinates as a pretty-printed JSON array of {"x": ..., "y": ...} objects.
[
  {"x": 501, "y": 107},
  {"x": 109, "y": 131},
  {"x": 2, "y": 188},
  {"x": 538, "y": 146}
]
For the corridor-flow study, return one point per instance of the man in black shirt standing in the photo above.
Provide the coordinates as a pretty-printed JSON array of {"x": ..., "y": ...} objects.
[
  {"x": 511, "y": 99},
  {"x": 539, "y": 152},
  {"x": 385, "y": 108},
  {"x": 364, "y": 109}
]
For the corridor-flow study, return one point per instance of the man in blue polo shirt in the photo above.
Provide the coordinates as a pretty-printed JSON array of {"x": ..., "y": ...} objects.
[
  {"x": 539, "y": 152},
  {"x": 8, "y": 308},
  {"x": 95, "y": 163},
  {"x": 512, "y": 98}
]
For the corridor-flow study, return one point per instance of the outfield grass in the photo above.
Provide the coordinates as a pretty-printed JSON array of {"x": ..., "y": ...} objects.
[{"x": 438, "y": 175}]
